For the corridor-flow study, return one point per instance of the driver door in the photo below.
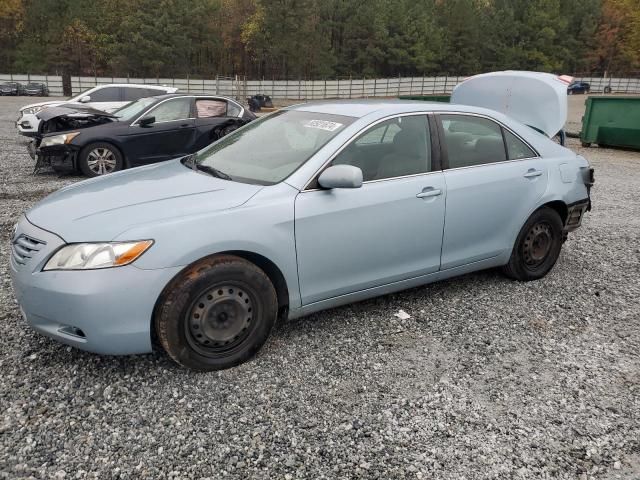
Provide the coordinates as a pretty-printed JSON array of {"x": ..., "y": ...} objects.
[
  {"x": 171, "y": 135},
  {"x": 386, "y": 231}
]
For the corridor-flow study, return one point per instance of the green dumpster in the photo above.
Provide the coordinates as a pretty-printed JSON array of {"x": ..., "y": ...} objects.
[
  {"x": 427, "y": 98},
  {"x": 611, "y": 121}
]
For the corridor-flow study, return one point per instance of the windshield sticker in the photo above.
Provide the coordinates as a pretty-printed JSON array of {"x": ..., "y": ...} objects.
[{"x": 323, "y": 125}]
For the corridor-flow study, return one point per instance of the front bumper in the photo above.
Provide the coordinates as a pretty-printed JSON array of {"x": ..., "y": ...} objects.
[
  {"x": 28, "y": 124},
  {"x": 60, "y": 157},
  {"x": 106, "y": 311}
]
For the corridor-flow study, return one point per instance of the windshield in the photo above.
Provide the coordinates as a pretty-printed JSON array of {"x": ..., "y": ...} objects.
[
  {"x": 268, "y": 150},
  {"x": 133, "y": 109}
]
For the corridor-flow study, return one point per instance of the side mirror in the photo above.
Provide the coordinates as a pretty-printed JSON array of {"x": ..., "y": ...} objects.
[
  {"x": 341, "y": 176},
  {"x": 85, "y": 99},
  {"x": 146, "y": 121}
]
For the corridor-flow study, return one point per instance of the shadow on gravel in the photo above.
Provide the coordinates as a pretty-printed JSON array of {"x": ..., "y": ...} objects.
[{"x": 46, "y": 353}]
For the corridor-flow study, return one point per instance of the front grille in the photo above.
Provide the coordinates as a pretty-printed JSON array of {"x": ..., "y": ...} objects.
[{"x": 25, "y": 247}]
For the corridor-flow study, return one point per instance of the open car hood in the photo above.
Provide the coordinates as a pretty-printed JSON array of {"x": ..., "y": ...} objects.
[
  {"x": 533, "y": 98},
  {"x": 70, "y": 110}
]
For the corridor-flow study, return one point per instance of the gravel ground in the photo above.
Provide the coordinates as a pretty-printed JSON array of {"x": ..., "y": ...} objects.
[{"x": 489, "y": 378}]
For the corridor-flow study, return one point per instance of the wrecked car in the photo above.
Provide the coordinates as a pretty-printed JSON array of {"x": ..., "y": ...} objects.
[
  {"x": 149, "y": 130},
  {"x": 311, "y": 207}
]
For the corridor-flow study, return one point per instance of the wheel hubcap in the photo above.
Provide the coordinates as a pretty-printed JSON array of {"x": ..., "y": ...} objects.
[
  {"x": 220, "y": 318},
  {"x": 537, "y": 244},
  {"x": 101, "y": 161}
]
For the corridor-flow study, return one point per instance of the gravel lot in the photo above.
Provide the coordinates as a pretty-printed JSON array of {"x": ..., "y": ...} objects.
[{"x": 489, "y": 378}]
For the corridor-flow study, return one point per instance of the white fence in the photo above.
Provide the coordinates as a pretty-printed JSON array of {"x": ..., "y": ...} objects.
[{"x": 303, "y": 89}]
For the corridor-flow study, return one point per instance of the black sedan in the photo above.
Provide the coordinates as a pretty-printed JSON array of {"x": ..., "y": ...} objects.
[
  {"x": 36, "y": 89},
  {"x": 578, "y": 87},
  {"x": 11, "y": 88},
  {"x": 149, "y": 130}
]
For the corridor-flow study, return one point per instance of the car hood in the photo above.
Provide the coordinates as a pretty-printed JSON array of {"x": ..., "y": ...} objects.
[
  {"x": 72, "y": 110},
  {"x": 52, "y": 103},
  {"x": 101, "y": 209}
]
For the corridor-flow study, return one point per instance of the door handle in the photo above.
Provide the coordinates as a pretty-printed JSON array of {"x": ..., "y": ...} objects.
[
  {"x": 532, "y": 173},
  {"x": 429, "y": 192},
  {"x": 184, "y": 125}
]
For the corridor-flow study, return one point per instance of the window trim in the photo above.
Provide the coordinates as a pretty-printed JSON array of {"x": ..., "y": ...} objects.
[
  {"x": 435, "y": 154},
  {"x": 445, "y": 153}
]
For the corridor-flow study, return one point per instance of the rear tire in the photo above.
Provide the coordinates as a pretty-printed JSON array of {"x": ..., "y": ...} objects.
[
  {"x": 217, "y": 314},
  {"x": 100, "y": 158},
  {"x": 537, "y": 247}
]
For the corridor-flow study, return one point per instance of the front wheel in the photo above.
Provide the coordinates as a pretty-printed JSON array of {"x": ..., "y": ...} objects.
[
  {"x": 216, "y": 314},
  {"x": 537, "y": 247},
  {"x": 99, "y": 158}
]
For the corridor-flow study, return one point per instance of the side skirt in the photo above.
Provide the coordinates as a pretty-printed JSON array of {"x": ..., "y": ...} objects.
[{"x": 398, "y": 286}]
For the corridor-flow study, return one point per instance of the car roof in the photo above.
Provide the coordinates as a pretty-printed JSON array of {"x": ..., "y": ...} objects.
[
  {"x": 177, "y": 95},
  {"x": 136, "y": 85},
  {"x": 362, "y": 108}
]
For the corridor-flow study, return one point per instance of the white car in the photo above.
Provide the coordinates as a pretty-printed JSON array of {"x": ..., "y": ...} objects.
[{"x": 107, "y": 98}]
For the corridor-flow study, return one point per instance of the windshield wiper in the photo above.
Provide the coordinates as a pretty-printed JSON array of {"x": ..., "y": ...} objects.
[
  {"x": 190, "y": 161},
  {"x": 212, "y": 170}
]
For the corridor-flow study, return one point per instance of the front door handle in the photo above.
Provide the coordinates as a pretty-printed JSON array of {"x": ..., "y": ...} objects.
[
  {"x": 532, "y": 173},
  {"x": 429, "y": 192}
]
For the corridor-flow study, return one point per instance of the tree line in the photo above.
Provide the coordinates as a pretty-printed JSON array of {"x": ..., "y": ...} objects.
[{"x": 291, "y": 39}]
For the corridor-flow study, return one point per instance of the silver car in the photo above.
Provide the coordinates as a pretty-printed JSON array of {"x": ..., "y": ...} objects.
[{"x": 311, "y": 207}]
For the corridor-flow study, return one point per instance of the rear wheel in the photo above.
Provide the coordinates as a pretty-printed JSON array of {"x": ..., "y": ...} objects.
[
  {"x": 537, "y": 247},
  {"x": 99, "y": 158},
  {"x": 216, "y": 314}
]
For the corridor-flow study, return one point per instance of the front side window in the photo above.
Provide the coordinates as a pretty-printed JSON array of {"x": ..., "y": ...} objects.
[
  {"x": 107, "y": 94},
  {"x": 393, "y": 148},
  {"x": 472, "y": 140},
  {"x": 133, "y": 109},
  {"x": 268, "y": 150},
  {"x": 172, "y": 110}
]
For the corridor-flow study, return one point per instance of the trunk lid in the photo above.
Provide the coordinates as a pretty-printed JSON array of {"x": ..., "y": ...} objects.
[{"x": 533, "y": 98}]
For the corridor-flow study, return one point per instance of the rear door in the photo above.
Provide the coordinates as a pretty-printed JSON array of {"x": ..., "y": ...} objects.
[
  {"x": 211, "y": 115},
  {"x": 171, "y": 135},
  {"x": 493, "y": 181}
]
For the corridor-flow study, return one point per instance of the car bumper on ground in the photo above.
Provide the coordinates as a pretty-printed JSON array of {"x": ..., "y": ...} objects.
[{"x": 106, "y": 311}]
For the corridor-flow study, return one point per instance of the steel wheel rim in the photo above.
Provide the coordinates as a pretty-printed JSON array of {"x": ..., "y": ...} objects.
[
  {"x": 537, "y": 244},
  {"x": 101, "y": 161},
  {"x": 220, "y": 319}
]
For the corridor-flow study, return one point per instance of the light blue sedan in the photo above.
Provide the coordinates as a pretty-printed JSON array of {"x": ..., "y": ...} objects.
[{"x": 311, "y": 207}]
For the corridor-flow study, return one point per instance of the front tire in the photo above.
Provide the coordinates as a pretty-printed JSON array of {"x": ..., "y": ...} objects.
[
  {"x": 100, "y": 158},
  {"x": 217, "y": 314},
  {"x": 537, "y": 247}
]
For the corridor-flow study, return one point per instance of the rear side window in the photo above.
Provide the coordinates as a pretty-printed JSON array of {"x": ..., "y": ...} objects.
[
  {"x": 516, "y": 148},
  {"x": 211, "y": 108},
  {"x": 394, "y": 148},
  {"x": 233, "y": 110},
  {"x": 131, "y": 94},
  {"x": 107, "y": 94},
  {"x": 472, "y": 141}
]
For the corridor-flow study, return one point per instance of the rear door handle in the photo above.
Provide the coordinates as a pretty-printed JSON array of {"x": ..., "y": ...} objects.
[
  {"x": 532, "y": 173},
  {"x": 429, "y": 192}
]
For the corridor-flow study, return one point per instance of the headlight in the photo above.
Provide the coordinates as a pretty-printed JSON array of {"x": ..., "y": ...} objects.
[
  {"x": 87, "y": 256},
  {"x": 59, "y": 139},
  {"x": 32, "y": 110}
]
